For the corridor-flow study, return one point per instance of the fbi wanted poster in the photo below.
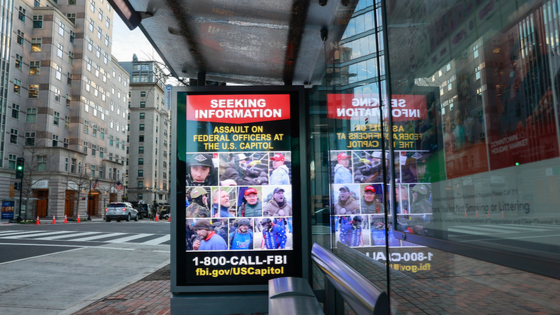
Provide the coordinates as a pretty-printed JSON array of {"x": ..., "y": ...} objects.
[{"x": 239, "y": 207}]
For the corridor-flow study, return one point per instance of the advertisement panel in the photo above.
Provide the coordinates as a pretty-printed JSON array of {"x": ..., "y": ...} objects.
[
  {"x": 356, "y": 167},
  {"x": 241, "y": 205},
  {"x": 7, "y": 209}
]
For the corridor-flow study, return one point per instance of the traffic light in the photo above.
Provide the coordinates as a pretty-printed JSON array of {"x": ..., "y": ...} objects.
[
  {"x": 17, "y": 186},
  {"x": 19, "y": 168}
]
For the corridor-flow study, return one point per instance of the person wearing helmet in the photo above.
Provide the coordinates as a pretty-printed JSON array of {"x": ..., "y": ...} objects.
[
  {"x": 242, "y": 236},
  {"x": 342, "y": 174},
  {"x": 201, "y": 171},
  {"x": 351, "y": 232},
  {"x": 274, "y": 235},
  {"x": 346, "y": 204},
  {"x": 420, "y": 202},
  {"x": 206, "y": 238},
  {"x": 370, "y": 202},
  {"x": 199, "y": 205},
  {"x": 252, "y": 206},
  {"x": 236, "y": 171},
  {"x": 280, "y": 174},
  {"x": 278, "y": 205}
]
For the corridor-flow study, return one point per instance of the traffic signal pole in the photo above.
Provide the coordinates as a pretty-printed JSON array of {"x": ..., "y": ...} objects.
[
  {"x": 19, "y": 174},
  {"x": 18, "y": 219}
]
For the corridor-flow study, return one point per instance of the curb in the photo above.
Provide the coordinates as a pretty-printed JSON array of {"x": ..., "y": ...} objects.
[{"x": 100, "y": 295}]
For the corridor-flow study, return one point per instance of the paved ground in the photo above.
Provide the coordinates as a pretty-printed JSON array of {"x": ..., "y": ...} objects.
[{"x": 148, "y": 296}]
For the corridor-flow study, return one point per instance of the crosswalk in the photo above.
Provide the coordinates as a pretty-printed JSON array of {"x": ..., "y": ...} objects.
[
  {"x": 76, "y": 236},
  {"x": 493, "y": 229}
]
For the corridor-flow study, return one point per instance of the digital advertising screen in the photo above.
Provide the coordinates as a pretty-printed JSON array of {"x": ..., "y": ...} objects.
[{"x": 240, "y": 201}]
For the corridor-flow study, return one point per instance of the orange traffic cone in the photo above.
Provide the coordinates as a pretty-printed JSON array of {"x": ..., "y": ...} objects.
[
  {"x": 169, "y": 218},
  {"x": 78, "y": 219},
  {"x": 65, "y": 219},
  {"x": 37, "y": 223},
  {"x": 465, "y": 213},
  {"x": 477, "y": 213},
  {"x": 502, "y": 214},
  {"x": 488, "y": 214},
  {"x": 157, "y": 217},
  {"x": 53, "y": 220}
]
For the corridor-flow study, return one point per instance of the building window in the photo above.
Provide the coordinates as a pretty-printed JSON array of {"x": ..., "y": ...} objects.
[
  {"x": 92, "y": 6},
  {"x": 143, "y": 94},
  {"x": 12, "y": 163},
  {"x": 106, "y": 58},
  {"x": 21, "y": 14},
  {"x": 86, "y": 126},
  {"x": 90, "y": 44},
  {"x": 142, "y": 104},
  {"x": 141, "y": 150},
  {"x": 72, "y": 36},
  {"x": 33, "y": 91},
  {"x": 17, "y": 86},
  {"x": 140, "y": 173},
  {"x": 70, "y": 57},
  {"x": 108, "y": 21},
  {"x": 66, "y": 143},
  {"x": 19, "y": 62},
  {"x": 36, "y": 44},
  {"x": 100, "y": 15},
  {"x": 72, "y": 18},
  {"x": 37, "y": 21},
  {"x": 93, "y": 149},
  {"x": 41, "y": 163},
  {"x": 30, "y": 138},
  {"x": 85, "y": 147},
  {"x": 59, "y": 52},
  {"x": 107, "y": 40},
  {"x": 140, "y": 185},
  {"x": 34, "y": 67},
  {"x": 55, "y": 141},
  {"x": 31, "y": 115},
  {"x": 56, "y": 118},
  {"x": 140, "y": 161},
  {"x": 58, "y": 73},
  {"x": 61, "y": 27},
  {"x": 99, "y": 32},
  {"x": 141, "y": 138},
  {"x": 20, "y": 36},
  {"x": 92, "y": 168},
  {"x": 142, "y": 115},
  {"x": 67, "y": 122},
  {"x": 15, "y": 111},
  {"x": 13, "y": 136},
  {"x": 141, "y": 127},
  {"x": 36, "y": 3}
]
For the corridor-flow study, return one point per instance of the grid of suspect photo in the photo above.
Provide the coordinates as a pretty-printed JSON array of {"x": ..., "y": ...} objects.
[
  {"x": 357, "y": 189},
  {"x": 239, "y": 201}
]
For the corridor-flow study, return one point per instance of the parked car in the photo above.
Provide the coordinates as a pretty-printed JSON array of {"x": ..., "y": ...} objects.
[
  {"x": 164, "y": 212},
  {"x": 120, "y": 211},
  {"x": 143, "y": 210}
]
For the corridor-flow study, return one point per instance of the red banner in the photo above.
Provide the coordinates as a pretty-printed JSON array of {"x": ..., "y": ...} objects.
[
  {"x": 238, "y": 109},
  {"x": 403, "y": 107}
]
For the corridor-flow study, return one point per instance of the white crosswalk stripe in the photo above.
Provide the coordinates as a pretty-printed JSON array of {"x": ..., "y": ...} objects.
[
  {"x": 76, "y": 236},
  {"x": 488, "y": 229}
]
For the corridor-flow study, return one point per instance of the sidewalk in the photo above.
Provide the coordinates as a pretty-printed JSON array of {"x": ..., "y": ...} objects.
[{"x": 148, "y": 296}]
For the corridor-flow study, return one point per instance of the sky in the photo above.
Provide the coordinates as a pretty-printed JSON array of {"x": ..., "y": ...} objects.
[{"x": 127, "y": 42}]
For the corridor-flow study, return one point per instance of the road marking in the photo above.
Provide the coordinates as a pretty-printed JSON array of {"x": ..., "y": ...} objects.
[
  {"x": 117, "y": 248},
  {"x": 157, "y": 241},
  {"x": 128, "y": 238},
  {"x": 50, "y": 238},
  {"x": 58, "y": 245},
  {"x": 510, "y": 238},
  {"x": 35, "y": 234},
  {"x": 161, "y": 251},
  {"x": 28, "y": 258},
  {"x": 83, "y": 239},
  {"x": 462, "y": 230},
  {"x": 15, "y": 232}
]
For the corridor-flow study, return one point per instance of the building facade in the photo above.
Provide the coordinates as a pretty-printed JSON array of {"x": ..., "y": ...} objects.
[
  {"x": 149, "y": 143},
  {"x": 67, "y": 109}
]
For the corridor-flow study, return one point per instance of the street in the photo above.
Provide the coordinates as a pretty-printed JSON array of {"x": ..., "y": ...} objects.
[{"x": 61, "y": 268}]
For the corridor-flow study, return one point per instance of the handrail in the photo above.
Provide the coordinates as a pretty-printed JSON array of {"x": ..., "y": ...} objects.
[{"x": 360, "y": 294}]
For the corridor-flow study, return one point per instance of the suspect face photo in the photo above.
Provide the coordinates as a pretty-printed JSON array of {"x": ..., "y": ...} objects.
[
  {"x": 201, "y": 170},
  {"x": 243, "y": 169},
  {"x": 277, "y": 200},
  {"x": 341, "y": 170},
  {"x": 346, "y": 199}
]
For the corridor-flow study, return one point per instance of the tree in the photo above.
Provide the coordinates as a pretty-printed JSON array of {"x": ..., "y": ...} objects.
[
  {"x": 78, "y": 183},
  {"x": 36, "y": 169}
]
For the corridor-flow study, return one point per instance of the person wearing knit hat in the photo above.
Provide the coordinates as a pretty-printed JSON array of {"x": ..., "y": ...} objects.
[
  {"x": 242, "y": 236},
  {"x": 207, "y": 239},
  {"x": 342, "y": 174}
]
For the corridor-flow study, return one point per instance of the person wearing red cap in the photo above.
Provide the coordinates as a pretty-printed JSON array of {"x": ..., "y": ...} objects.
[
  {"x": 252, "y": 206},
  {"x": 280, "y": 173},
  {"x": 342, "y": 174},
  {"x": 370, "y": 202}
]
